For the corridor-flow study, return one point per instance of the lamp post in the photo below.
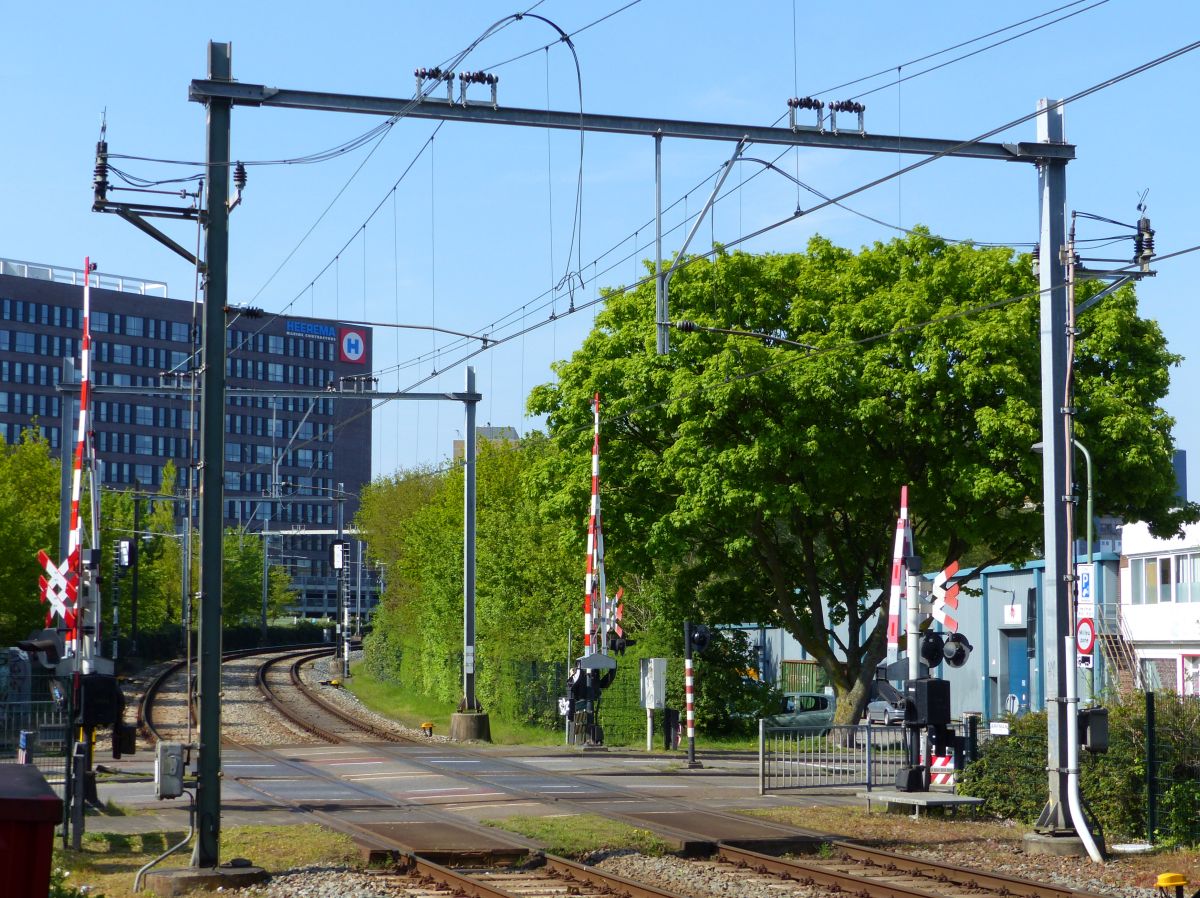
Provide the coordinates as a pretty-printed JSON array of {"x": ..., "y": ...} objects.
[{"x": 1087, "y": 459}]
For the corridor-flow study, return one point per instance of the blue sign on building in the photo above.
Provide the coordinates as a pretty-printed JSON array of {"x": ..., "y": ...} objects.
[{"x": 312, "y": 329}]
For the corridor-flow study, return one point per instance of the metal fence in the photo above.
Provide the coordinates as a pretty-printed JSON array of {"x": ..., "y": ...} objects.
[
  {"x": 1172, "y": 734},
  {"x": 862, "y": 755},
  {"x": 45, "y": 727}
]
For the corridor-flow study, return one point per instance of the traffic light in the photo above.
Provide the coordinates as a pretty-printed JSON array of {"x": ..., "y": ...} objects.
[
  {"x": 931, "y": 648},
  {"x": 101, "y": 702},
  {"x": 47, "y": 647},
  {"x": 619, "y": 643},
  {"x": 956, "y": 650},
  {"x": 699, "y": 637},
  {"x": 952, "y": 648},
  {"x": 124, "y": 739}
]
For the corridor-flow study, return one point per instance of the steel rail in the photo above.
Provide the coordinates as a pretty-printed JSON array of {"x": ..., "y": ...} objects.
[
  {"x": 867, "y": 883},
  {"x": 818, "y": 873},
  {"x": 964, "y": 876},
  {"x": 145, "y": 715},
  {"x": 606, "y": 881},
  {"x": 340, "y": 714},
  {"x": 461, "y": 883},
  {"x": 305, "y": 722},
  {"x": 279, "y": 705}
]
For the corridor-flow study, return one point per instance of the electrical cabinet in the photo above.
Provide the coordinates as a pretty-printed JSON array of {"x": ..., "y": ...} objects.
[{"x": 168, "y": 770}]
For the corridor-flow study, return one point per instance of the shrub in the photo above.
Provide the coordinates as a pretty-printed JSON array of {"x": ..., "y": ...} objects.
[{"x": 1010, "y": 773}]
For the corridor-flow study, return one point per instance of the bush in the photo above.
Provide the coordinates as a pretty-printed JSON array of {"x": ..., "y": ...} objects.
[{"x": 1010, "y": 773}]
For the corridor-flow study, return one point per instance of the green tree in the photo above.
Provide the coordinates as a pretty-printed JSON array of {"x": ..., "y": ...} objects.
[
  {"x": 241, "y": 581},
  {"x": 29, "y": 515},
  {"x": 766, "y": 479},
  {"x": 529, "y": 571}
]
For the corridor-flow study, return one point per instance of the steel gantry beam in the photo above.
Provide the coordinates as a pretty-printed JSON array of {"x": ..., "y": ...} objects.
[{"x": 241, "y": 94}]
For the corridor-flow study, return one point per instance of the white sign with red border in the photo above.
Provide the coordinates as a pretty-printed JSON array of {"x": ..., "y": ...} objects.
[{"x": 1085, "y": 635}]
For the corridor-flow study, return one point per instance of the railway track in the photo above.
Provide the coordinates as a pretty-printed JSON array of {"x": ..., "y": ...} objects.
[
  {"x": 546, "y": 876},
  {"x": 840, "y": 867},
  {"x": 282, "y": 684},
  {"x": 164, "y": 711},
  {"x": 874, "y": 873},
  {"x": 851, "y": 869}
]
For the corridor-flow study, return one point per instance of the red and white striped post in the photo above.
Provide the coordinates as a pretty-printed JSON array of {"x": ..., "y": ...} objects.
[
  {"x": 75, "y": 537},
  {"x": 594, "y": 576},
  {"x": 689, "y": 685}
]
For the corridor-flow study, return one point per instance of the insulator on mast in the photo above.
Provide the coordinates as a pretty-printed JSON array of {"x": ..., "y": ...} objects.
[{"x": 100, "y": 176}]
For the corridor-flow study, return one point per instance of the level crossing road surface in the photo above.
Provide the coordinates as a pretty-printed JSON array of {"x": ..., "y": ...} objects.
[{"x": 420, "y": 787}]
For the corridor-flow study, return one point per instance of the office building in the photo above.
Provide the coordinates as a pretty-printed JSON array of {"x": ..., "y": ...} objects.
[{"x": 286, "y": 458}]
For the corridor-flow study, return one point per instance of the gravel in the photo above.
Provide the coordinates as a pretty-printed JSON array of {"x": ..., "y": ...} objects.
[
  {"x": 324, "y": 882},
  {"x": 704, "y": 879},
  {"x": 324, "y": 670}
]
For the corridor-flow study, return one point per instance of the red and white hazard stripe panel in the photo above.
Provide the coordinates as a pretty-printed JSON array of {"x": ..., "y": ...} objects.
[{"x": 941, "y": 770}]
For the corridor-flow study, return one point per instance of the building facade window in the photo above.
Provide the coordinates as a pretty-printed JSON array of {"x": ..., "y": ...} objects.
[
  {"x": 1163, "y": 579},
  {"x": 1191, "y": 674}
]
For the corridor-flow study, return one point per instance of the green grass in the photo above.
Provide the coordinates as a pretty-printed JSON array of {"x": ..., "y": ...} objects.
[
  {"x": 412, "y": 709},
  {"x": 580, "y": 835},
  {"x": 109, "y": 862}
]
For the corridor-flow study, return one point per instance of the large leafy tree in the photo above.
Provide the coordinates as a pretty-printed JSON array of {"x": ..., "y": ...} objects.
[
  {"x": 766, "y": 477},
  {"x": 29, "y": 512},
  {"x": 241, "y": 581},
  {"x": 528, "y": 571}
]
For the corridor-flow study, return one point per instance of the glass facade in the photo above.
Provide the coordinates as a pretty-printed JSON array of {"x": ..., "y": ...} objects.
[{"x": 140, "y": 343}]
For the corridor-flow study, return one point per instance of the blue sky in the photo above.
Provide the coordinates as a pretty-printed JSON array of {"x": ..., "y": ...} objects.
[{"x": 480, "y": 228}]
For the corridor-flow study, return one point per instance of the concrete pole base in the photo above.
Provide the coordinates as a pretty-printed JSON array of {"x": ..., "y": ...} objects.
[
  {"x": 467, "y": 726},
  {"x": 183, "y": 880},
  {"x": 1065, "y": 845}
]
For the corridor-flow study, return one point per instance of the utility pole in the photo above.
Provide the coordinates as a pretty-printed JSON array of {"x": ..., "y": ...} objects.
[
  {"x": 343, "y": 615},
  {"x": 266, "y": 570},
  {"x": 358, "y": 591},
  {"x": 135, "y": 563},
  {"x": 212, "y": 475},
  {"x": 469, "y": 702},
  {"x": 1055, "y": 818}
]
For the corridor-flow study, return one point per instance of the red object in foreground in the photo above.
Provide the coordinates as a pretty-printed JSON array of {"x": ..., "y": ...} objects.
[{"x": 29, "y": 811}]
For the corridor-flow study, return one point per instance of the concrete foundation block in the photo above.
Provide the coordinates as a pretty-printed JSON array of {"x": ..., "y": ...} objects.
[
  {"x": 183, "y": 880},
  {"x": 468, "y": 726}
]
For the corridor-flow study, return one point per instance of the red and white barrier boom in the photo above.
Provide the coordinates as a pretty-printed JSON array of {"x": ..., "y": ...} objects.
[{"x": 62, "y": 585}]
